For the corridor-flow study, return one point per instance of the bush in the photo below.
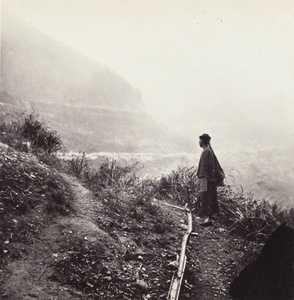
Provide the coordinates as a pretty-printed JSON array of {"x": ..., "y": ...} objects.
[
  {"x": 79, "y": 165},
  {"x": 180, "y": 185},
  {"x": 27, "y": 133},
  {"x": 247, "y": 217},
  {"x": 40, "y": 136},
  {"x": 114, "y": 174}
]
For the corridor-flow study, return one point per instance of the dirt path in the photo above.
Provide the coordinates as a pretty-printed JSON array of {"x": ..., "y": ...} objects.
[{"x": 213, "y": 254}]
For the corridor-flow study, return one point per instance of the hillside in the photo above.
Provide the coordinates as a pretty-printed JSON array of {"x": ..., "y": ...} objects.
[
  {"x": 60, "y": 240},
  {"x": 74, "y": 231},
  {"x": 92, "y": 107}
]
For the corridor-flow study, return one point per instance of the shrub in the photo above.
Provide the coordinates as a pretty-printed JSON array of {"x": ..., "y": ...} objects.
[
  {"x": 247, "y": 217},
  {"x": 180, "y": 185},
  {"x": 114, "y": 174},
  {"x": 40, "y": 135},
  {"x": 28, "y": 129},
  {"x": 79, "y": 165}
]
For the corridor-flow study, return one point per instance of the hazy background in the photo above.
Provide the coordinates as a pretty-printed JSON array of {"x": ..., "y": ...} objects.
[
  {"x": 221, "y": 67},
  {"x": 199, "y": 64}
]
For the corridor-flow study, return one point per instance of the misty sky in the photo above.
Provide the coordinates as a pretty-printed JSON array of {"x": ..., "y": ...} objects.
[{"x": 201, "y": 66}]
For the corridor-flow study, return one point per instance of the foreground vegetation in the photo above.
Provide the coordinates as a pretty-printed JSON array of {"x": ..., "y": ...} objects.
[{"x": 31, "y": 183}]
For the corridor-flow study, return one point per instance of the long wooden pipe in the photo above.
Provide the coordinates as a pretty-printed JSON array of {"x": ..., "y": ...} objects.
[{"x": 175, "y": 286}]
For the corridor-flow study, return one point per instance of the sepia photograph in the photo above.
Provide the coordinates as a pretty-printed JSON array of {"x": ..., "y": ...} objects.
[{"x": 147, "y": 150}]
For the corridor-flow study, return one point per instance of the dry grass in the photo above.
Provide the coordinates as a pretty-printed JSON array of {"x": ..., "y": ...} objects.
[{"x": 181, "y": 186}]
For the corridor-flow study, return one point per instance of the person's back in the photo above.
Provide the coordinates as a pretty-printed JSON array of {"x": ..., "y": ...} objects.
[{"x": 206, "y": 167}]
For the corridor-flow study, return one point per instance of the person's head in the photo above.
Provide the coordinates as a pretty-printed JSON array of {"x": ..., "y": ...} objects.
[{"x": 204, "y": 140}]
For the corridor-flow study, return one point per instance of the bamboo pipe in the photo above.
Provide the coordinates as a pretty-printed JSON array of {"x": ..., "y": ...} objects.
[{"x": 175, "y": 287}]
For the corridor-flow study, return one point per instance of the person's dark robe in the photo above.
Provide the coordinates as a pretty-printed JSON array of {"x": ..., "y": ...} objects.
[{"x": 207, "y": 169}]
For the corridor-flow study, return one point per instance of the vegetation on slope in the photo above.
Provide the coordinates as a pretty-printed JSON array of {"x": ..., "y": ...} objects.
[{"x": 34, "y": 193}]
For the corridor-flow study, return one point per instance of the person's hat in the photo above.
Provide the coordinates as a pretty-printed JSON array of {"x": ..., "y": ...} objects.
[{"x": 205, "y": 138}]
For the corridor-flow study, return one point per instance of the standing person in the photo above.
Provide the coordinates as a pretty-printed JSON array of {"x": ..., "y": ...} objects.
[{"x": 210, "y": 175}]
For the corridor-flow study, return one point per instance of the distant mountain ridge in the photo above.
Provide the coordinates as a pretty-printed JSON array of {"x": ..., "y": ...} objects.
[
  {"x": 92, "y": 107},
  {"x": 52, "y": 69}
]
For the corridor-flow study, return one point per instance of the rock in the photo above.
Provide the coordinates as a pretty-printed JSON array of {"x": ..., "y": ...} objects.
[
  {"x": 174, "y": 264},
  {"x": 33, "y": 295},
  {"x": 108, "y": 278},
  {"x": 142, "y": 284},
  {"x": 184, "y": 226}
]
